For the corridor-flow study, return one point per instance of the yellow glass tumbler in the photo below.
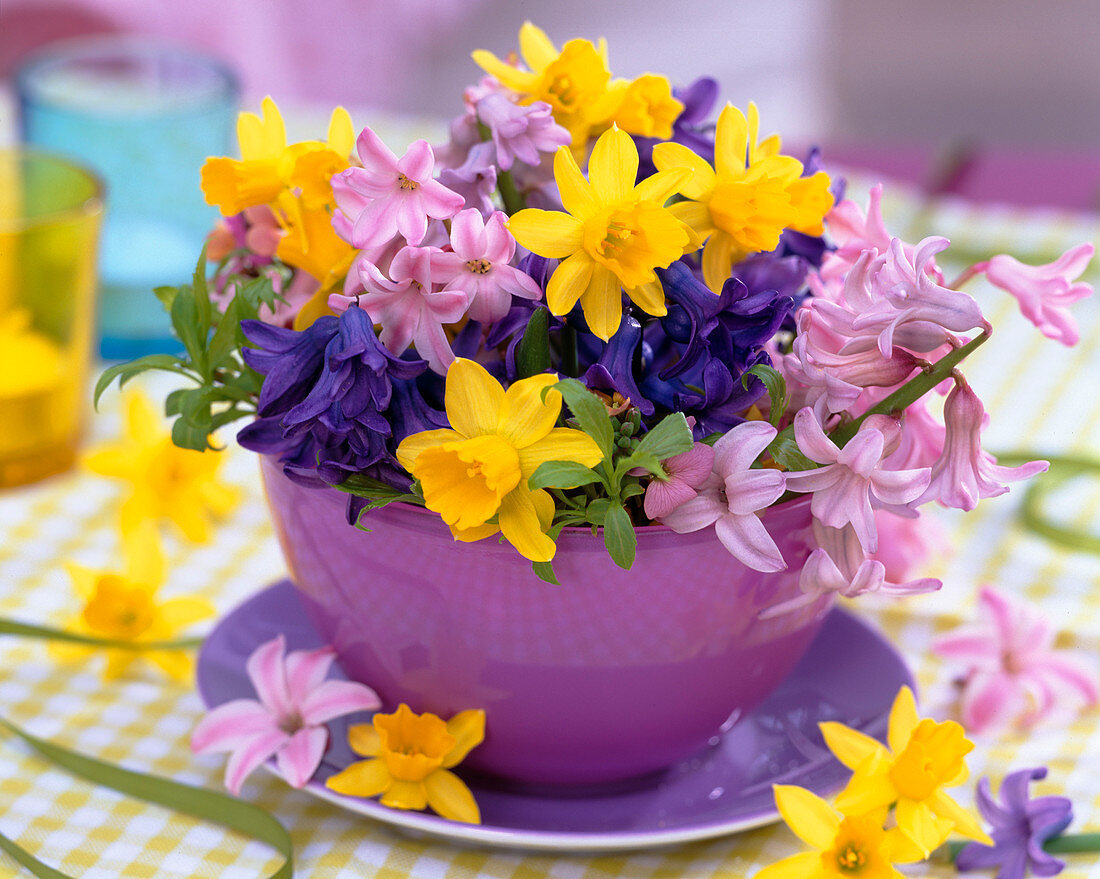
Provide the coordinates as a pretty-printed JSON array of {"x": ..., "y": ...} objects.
[{"x": 50, "y": 213}]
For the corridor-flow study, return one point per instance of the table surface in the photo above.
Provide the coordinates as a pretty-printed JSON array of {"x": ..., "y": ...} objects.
[{"x": 1041, "y": 396}]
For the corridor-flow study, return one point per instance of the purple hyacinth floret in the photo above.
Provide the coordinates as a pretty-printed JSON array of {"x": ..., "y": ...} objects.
[
  {"x": 1019, "y": 827},
  {"x": 336, "y": 395},
  {"x": 614, "y": 368}
]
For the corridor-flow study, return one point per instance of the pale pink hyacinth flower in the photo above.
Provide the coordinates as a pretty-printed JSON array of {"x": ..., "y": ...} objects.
[
  {"x": 839, "y": 566},
  {"x": 478, "y": 265},
  {"x": 854, "y": 233},
  {"x": 907, "y": 543},
  {"x": 1013, "y": 676},
  {"x": 965, "y": 473},
  {"x": 732, "y": 495},
  {"x": 1045, "y": 292},
  {"x": 843, "y": 489},
  {"x": 686, "y": 474},
  {"x": 520, "y": 132},
  {"x": 288, "y": 721},
  {"x": 389, "y": 196},
  {"x": 407, "y": 305}
]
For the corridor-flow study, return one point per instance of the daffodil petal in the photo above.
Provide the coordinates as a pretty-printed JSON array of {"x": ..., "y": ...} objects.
[
  {"x": 659, "y": 187},
  {"x": 468, "y": 729},
  {"x": 804, "y": 865},
  {"x": 471, "y": 535},
  {"x": 519, "y": 522},
  {"x": 574, "y": 190},
  {"x": 602, "y": 302},
  {"x": 963, "y": 821},
  {"x": 450, "y": 798},
  {"x": 472, "y": 399},
  {"x": 900, "y": 849},
  {"x": 650, "y": 298},
  {"x": 718, "y": 259},
  {"x": 613, "y": 166},
  {"x": 568, "y": 283},
  {"x": 411, "y": 446},
  {"x": 551, "y": 234},
  {"x": 367, "y": 778},
  {"x": 696, "y": 216},
  {"x": 178, "y": 613},
  {"x": 364, "y": 740},
  {"x": 560, "y": 444},
  {"x": 525, "y": 416},
  {"x": 341, "y": 132},
  {"x": 516, "y": 79},
  {"x": 144, "y": 559},
  {"x": 405, "y": 795},
  {"x": 915, "y": 820},
  {"x": 903, "y": 720},
  {"x": 109, "y": 461},
  {"x": 178, "y": 665},
  {"x": 810, "y": 818},
  {"x": 849, "y": 746},
  {"x": 535, "y": 47},
  {"x": 731, "y": 139},
  {"x": 672, "y": 156}
]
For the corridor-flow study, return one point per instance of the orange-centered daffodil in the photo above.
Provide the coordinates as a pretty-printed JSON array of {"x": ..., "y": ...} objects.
[
  {"x": 743, "y": 204},
  {"x": 613, "y": 236},
  {"x": 411, "y": 756},
  {"x": 846, "y": 847},
  {"x": 924, "y": 757},
  {"x": 477, "y": 472}
]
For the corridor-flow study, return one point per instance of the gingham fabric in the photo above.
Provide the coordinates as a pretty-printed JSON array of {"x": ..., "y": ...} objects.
[{"x": 1041, "y": 396}]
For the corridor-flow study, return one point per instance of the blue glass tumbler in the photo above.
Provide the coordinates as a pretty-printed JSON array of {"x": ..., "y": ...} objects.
[{"x": 145, "y": 115}]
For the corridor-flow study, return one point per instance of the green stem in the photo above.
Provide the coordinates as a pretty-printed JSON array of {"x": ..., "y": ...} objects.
[
  {"x": 12, "y": 627},
  {"x": 912, "y": 390},
  {"x": 1068, "y": 844}
]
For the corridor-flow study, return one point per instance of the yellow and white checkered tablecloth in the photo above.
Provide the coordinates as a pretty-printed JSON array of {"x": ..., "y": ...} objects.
[{"x": 1041, "y": 396}]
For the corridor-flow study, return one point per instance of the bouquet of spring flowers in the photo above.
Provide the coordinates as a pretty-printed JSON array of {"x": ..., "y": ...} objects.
[{"x": 600, "y": 304}]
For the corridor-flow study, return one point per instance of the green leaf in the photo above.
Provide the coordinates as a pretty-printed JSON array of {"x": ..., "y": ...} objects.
[
  {"x": 785, "y": 452},
  {"x": 203, "y": 307},
  {"x": 207, "y": 805},
  {"x": 167, "y": 296},
  {"x": 776, "y": 386},
  {"x": 619, "y": 537},
  {"x": 533, "y": 350},
  {"x": 228, "y": 338},
  {"x": 632, "y": 489},
  {"x": 185, "y": 322},
  {"x": 590, "y": 414},
  {"x": 562, "y": 474},
  {"x": 26, "y": 859},
  {"x": 189, "y": 434},
  {"x": 545, "y": 571},
  {"x": 671, "y": 436},
  {"x": 596, "y": 510},
  {"x": 126, "y": 371}
]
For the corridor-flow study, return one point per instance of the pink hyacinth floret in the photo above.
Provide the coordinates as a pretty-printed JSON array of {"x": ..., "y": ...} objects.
[
  {"x": 288, "y": 721},
  {"x": 389, "y": 196},
  {"x": 520, "y": 132},
  {"x": 1013, "y": 675},
  {"x": 685, "y": 474},
  {"x": 1045, "y": 292},
  {"x": 732, "y": 495},
  {"x": 843, "y": 488},
  {"x": 407, "y": 305},
  {"x": 965, "y": 473},
  {"x": 478, "y": 266}
]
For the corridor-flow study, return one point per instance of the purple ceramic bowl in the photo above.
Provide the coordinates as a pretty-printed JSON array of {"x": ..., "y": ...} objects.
[{"x": 610, "y": 675}]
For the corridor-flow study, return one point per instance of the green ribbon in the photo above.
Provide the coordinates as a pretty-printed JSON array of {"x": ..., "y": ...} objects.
[
  {"x": 1063, "y": 468},
  {"x": 28, "y": 630},
  {"x": 208, "y": 805}
]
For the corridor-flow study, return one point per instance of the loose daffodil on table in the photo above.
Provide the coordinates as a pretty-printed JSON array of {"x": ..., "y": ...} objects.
[
  {"x": 411, "y": 757},
  {"x": 611, "y": 238},
  {"x": 478, "y": 471},
  {"x": 924, "y": 757},
  {"x": 846, "y": 847},
  {"x": 751, "y": 195},
  {"x": 124, "y": 607},
  {"x": 166, "y": 482}
]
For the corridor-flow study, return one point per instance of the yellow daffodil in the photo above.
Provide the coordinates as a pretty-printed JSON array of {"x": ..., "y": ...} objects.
[
  {"x": 613, "y": 236},
  {"x": 846, "y": 847},
  {"x": 478, "y": 471},
  {"x": 743, "y": 204},
  {"x": 645, "y": 106},
  {"x": 411, "y": 757},
  {"x": 573, "y": 81},
  {"x": 924, "y": 757},
  {"x": 311, "y": 244},
  {"x": 166, "y": 482},
  {"x": 124, "y": 607}
]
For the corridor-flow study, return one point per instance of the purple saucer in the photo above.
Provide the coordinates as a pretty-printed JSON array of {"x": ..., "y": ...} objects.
[{"x": 850, "y": 674}]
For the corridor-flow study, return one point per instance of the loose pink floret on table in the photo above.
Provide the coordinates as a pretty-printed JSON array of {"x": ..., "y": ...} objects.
[
  {"x": 387, "y": 195},
  {"x": 732, "y": 495},
  {"x": 1013, "y": 675},
  {"x": 1045, "y": 292},
  {"x": 478, "y": 266},
  {"x": 843, "y": 489},
  {"x": 288, "y": 721}
]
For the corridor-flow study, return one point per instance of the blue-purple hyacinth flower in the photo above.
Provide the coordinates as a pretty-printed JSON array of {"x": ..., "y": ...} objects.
[
  {"x": 1019, "y": 827},
  {"x": 335, "y": 401}
]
